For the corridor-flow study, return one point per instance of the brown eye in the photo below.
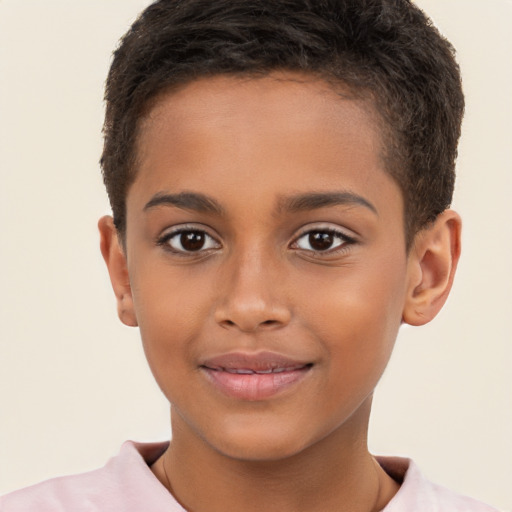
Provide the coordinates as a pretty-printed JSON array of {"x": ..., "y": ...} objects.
[
  {"x": 322, "y": 240},
  {"x": 192, "y": 240},
  {"x": 189, "y": 240}
]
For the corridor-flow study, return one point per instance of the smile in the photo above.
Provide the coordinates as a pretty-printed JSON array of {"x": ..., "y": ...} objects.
[
  {"x": 254, "y": 377},
  {"x": 249, "y": 371}
]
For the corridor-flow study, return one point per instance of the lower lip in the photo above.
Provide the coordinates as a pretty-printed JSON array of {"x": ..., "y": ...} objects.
[{"x": 254, "y": 386}]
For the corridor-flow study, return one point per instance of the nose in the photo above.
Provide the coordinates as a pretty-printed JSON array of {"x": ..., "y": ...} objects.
[{"x": 251, "y": 295}]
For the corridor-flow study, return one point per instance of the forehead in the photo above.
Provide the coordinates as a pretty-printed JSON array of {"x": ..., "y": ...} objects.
[
  {"x": 284, "y": 91},
  {"x": 284, "y": 129}
]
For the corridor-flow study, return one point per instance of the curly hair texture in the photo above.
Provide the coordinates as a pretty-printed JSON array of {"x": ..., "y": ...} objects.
[{"x": 386, "y": 51}]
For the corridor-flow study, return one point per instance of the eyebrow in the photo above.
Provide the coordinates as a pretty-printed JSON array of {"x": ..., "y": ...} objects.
[
  {"x": 186, "y": 200},
  {"x": 302, "y": 202},
  {"x": 316, "y": 200}
]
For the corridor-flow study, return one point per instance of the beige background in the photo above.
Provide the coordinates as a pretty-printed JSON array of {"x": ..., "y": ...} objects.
[{"x": 73, "y": 380}]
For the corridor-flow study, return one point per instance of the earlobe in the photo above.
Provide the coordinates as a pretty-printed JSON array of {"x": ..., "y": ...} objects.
[
  {"x": 115, "y": 259},
  {"x": 431, "y": 268}
]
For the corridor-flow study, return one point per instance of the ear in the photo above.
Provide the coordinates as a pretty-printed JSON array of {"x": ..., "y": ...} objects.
[
  {"x": 115, "y": 258},
  {"x": 431, "y": 268}
]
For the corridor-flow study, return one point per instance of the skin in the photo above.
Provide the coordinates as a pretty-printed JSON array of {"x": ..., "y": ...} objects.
[{"x": 253, "y": 146}]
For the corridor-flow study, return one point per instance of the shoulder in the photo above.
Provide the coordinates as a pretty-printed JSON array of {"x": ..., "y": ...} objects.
[
  {"x": 419, "y": 494},
  {"x": 124, "y": 483}
]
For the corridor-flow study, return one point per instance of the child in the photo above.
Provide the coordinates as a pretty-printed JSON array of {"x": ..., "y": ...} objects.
[{"x": 280, "y": 175}]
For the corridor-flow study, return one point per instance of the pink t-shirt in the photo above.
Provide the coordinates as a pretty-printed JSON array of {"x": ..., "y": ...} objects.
[{"x": 126, "y": 484}]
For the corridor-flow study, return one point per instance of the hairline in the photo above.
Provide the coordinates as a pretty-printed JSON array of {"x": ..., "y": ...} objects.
[{"x": 367, "y": 98}]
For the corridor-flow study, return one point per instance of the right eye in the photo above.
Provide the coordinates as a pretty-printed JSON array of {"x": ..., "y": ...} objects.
[{"x": 187, "y": 240}]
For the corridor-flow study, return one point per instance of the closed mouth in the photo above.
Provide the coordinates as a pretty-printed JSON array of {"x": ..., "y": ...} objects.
[
  {"x": 251, "y": 371},
  {"x": 253, "y": 362},
  {"x": 254, "y": 377}
]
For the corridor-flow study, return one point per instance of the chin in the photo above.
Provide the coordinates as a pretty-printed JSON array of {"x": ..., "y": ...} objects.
[
  {"x": 256, "y": 452},
  {"x": 260, "y": 443}
]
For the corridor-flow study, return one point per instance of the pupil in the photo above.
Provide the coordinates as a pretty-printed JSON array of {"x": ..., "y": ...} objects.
[
  {"x": 192, "y": 241},
  {"x": 321, "y": 241}
]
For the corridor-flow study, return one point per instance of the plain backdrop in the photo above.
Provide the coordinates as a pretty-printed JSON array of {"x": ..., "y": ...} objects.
[{"x": 73, "y": 381}]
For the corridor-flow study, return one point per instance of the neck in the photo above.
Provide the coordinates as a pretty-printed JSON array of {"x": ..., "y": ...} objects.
[{"x": 337, "y": 473}]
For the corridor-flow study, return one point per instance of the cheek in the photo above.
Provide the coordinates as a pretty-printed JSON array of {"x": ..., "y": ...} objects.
[
  {"x": 356, "y": 314},
  {"x": 171, "y": 308},
  {"x": 169, "y": 299}
]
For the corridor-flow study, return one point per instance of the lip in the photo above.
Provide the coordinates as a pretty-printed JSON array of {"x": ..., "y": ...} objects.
[{"x": 253, "y": 377}]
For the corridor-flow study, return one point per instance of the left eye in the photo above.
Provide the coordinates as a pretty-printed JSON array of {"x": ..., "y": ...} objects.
[
  {"x": 190, "y": 240},
  {"x": 321, "y": 240}
]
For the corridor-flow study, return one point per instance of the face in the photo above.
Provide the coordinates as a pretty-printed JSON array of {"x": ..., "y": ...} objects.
[{"x": 266, "y": 259}]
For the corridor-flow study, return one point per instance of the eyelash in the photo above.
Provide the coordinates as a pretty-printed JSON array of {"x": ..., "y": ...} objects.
[
  {"x": 165, "y": 239},
  {"x": 345, "y": 241}
]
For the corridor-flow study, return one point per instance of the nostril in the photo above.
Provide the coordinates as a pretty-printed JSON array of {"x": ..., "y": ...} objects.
[
  {"x": 250, "y": 316},
  {"x": 228, "y": 324}
]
